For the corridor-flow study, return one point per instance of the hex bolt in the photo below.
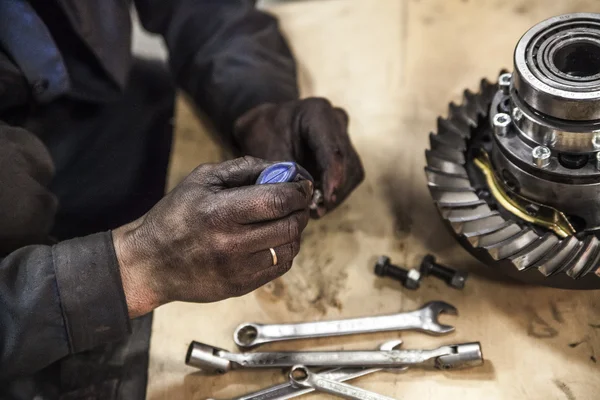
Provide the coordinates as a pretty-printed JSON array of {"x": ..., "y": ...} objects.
[
  {"x": 452, "y": 277},
  {"x": 504, "y": 83},
  {"x": 541, "y": 156},
  {"x": 598, "y": 161},
  {"x": 410, "y": 278},
  {"x": 501, "y": 122}
]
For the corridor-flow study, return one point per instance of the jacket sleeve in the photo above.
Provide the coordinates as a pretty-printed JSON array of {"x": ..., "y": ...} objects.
[
  {"x": 227, "y": 55},
  {"x": 54, "y": 299}
]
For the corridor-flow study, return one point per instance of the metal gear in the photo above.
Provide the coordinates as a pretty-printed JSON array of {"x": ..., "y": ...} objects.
[{"x": 515, "y": 169}]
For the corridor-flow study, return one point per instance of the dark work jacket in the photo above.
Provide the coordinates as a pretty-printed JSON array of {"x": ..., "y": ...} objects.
[{"x": 63, "y": 298}]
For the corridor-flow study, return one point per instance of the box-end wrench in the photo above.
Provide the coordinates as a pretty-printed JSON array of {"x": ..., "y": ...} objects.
[
  {"x": 285, "y": 391},
  {"x": 424, "y": 319},
  {"x": 303, "y": 377},
  {"x": 214, "y": 359}
]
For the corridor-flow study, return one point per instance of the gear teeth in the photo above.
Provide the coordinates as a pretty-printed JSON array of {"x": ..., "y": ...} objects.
[
  {"x": 464, "y": 214},
  {"x": 527, "y": 257},
  {"x": 512, "y": 245},
  {"x": 481, "y": 226},
  {"x": 458, "y": 117},
  {"x": 444, "y": 126},
  {"x": 445, "y": 155},
  {"x": 446, "y": 152},
  {"x": 473, "y": 102},
  {"x": 436, "y": 163},
  {"x": 462, "y": 225},
  {"x": 495, "y": 238},
  {"x": 587, "y": 257},
  {"x": 562, "y": 255},
  {"x": 444, "y": 198},
  {"x": 449, "y": 140},
  {"x": 451, "y": 182},
  {"x": 488, "y": 91}
]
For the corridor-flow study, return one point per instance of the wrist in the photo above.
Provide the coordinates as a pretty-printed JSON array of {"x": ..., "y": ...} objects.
[{"x": 140, "y": 291}]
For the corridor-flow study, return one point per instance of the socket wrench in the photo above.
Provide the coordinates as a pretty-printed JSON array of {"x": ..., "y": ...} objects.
[
  {"x": 214, "y": 359},
  {"x": 424, "y": 319},
  {"x": 303, "y": 377},
  {"x": 287, "y": 390}
]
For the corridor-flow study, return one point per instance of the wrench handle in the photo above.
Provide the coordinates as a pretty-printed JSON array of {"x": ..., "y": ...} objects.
[
  {"x": 325, "y": 385},
  {"x": 249, "y": 335},
  {"x": 364, "y": 359}
]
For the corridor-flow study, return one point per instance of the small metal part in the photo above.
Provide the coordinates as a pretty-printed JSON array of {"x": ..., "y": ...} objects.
[
  {"x": 216, "y": 360},
  {"x": 425, "y": 319},
  {"x": 504, "y": 83},
  {"x": 287, "y": 390},
  {"x": 410, "y": 279},
  {"x": 501, "y": 123},
  {"x": 452, "y": 277},
  {"x": 597, "y": 163},
  {"x": 303, "y": 377},
  {"x": 317, "y": 199},
  {"x": 541, "y": 156},
  {"x": 546, "y": 217}
]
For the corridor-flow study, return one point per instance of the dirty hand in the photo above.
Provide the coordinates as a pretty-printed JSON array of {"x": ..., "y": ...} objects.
[
  {"x": 311, "y": 132},
  {"x": 209, "y": 238}
]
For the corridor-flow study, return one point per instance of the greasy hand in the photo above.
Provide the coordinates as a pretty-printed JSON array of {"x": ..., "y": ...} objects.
[
  {"x": 311, "y": 132},
  {"x": 209, "y": 238}
]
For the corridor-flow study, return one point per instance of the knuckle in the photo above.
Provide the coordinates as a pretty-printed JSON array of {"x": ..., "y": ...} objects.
[
  {"x": 343, "y": 115},
  {"x": 318, "y": 103},
  {"x": 243, "y": 163},
  {"x": 203, "y": 169},
  {"x": 294, "y": 248},
  {"x": 294, "y": 230},
  {"x": 279, "y": 202},
  {"x": 283, "y": 268}
]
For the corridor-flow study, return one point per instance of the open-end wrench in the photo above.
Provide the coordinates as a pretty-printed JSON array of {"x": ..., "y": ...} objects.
[
  {"x": 214, "y": 359},
  {"x": 303, "y": 377},
  {"x": 285, "y": 391},
  {"x": 424, "y": 319}
]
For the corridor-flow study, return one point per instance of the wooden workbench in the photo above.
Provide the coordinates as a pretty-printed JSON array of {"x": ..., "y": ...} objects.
[{"x": 394, "y": 65}]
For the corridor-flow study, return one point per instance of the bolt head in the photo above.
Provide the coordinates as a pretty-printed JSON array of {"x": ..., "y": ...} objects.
[
  {"x": 381, "y": 265},
  {"x": 458, "y": 281},
  {"x": 501, "y": 123},
  {"x": 426, "y": 264},
  {"x": 504, "y": 83},
  {"x": 541, "y": 156},
  {"x": 413, "y": 279}
]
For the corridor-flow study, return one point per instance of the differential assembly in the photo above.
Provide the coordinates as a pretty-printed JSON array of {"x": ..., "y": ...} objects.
[{"x": 515, "y": 169}]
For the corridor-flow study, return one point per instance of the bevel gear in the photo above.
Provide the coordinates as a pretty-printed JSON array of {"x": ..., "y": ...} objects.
[{"x": 515, "y": 169}]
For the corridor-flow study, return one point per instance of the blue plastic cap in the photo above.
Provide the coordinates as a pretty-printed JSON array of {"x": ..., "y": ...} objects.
[{"x": 282, "y": 172}]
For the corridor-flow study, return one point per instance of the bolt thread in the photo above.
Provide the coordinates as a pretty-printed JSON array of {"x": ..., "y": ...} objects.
[
  {"x": 442, "y": 272},
  {"x": 396, "y": 273}
]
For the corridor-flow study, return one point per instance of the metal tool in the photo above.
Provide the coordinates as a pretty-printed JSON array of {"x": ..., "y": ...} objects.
[
  {"x": 513, "y": 169},
  {"x": 289, "y": 172},
  {"x": 424, "y": 319},
  {"x": 410, "y": 278},
  {"x": 287, "y": 390},
  {"x": 214, "y": 359},
  {"x": 302, "y": 376},
  {"x": 452, "y": 277}
]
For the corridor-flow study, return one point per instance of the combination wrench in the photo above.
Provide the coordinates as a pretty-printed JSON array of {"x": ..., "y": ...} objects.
[
  {"x": 288, "y": 390},
  {"x": 425, "y": 319},
  {"x": 214, "y": 359},
  {"x": 303, "y": 377}
]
